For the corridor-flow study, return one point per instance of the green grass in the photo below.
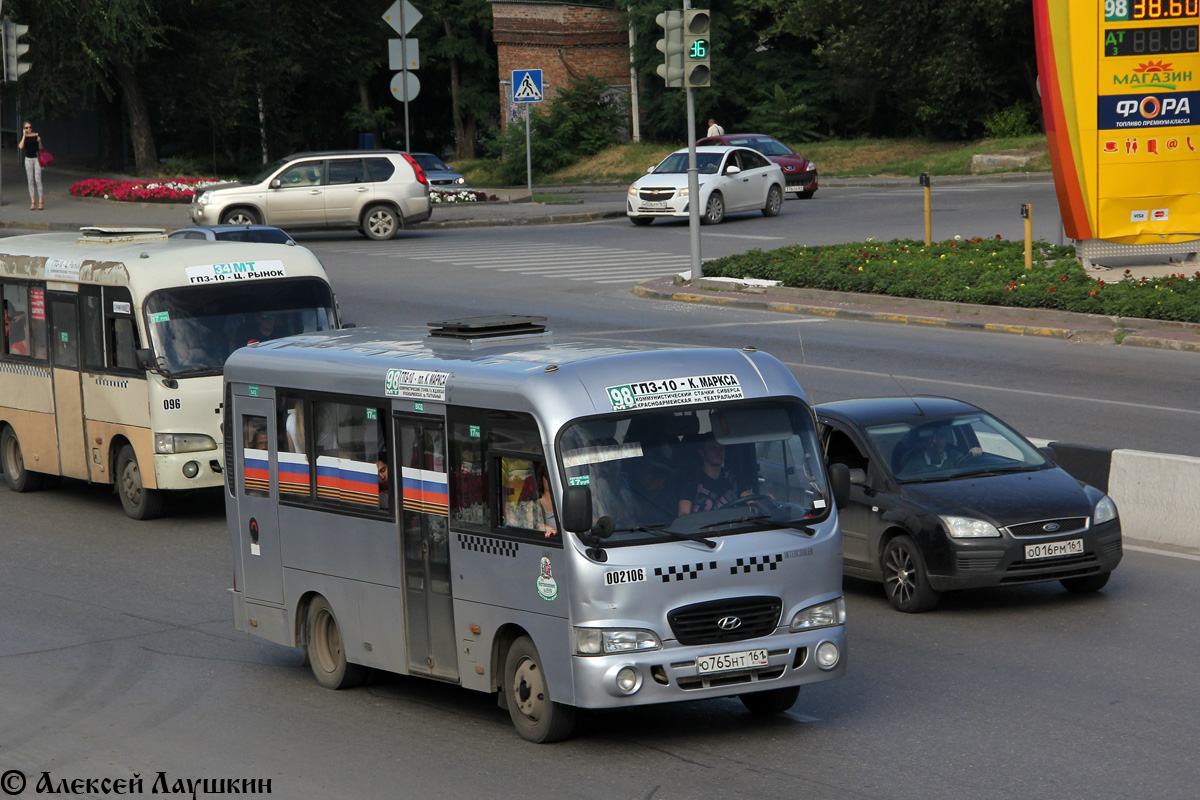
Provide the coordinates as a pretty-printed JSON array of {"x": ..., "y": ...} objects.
[{"x": 856, "y": 157}]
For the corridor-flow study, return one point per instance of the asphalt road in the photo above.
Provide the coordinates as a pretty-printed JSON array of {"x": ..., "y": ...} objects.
[{"x": 118, "y": 654}]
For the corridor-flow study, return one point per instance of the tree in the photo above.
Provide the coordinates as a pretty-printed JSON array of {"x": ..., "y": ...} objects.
[{"x": 463, "y": 49}]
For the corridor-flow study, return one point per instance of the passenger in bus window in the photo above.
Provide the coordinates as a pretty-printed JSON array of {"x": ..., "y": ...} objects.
[
  {"x": 710, "y": 484},
  {"x": 546, "y": 499},
  {"x": 384, "y": 483},
  {"x": 15, "y": 333}
]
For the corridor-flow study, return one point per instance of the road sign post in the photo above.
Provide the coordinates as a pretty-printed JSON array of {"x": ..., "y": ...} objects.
[
  {"x": 402, "y": 16},
  {"x": 527, "y": 88}
]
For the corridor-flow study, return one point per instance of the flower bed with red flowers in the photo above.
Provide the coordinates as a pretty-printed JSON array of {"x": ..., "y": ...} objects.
[
  {"x": 175, "y": 190},
  {"x": 984, "y": 271}
]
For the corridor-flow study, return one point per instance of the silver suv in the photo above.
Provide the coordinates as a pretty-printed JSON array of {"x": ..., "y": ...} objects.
[{"x": 375, "y": 191}]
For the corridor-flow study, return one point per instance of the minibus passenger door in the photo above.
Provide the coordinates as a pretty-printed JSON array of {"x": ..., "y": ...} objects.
[
  {"x": 425, "y": 547},
  {"x": 255, "y": 457},
  {"x": 68, "y": 389}
]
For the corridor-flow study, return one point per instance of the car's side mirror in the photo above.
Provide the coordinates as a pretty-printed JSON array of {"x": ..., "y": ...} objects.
[
  {"x": 839, "y": 484},
  {"x": 1048, "y": 451},
  {"x": 275, "y": 184},
  {"x": 577, "y": 509},
  {"x": 858, "y": 477},
  {"x": 732, "y": 169},
  {"x": 651, "y": 168}
]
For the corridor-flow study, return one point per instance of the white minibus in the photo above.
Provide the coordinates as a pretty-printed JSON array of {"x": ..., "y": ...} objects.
[{"x": 112, "y": 349}]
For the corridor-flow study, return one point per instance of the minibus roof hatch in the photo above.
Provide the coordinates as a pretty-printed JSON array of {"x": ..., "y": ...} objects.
[{"x": 490, "y": 327}]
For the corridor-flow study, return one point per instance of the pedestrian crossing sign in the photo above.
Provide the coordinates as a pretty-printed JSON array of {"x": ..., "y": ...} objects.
[{"x": 527, "y": 86}]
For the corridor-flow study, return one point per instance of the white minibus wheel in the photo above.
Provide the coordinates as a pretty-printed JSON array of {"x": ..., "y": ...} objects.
[
  {"x": 138, "y": 501},
  {"x": 535, "y": 716},
  {"x": 16, "y": 476},
  {"x": 324, "y": 651}
]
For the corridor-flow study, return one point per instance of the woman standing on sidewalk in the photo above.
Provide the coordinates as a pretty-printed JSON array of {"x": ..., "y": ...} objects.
[{"x": 31, "y": 143}]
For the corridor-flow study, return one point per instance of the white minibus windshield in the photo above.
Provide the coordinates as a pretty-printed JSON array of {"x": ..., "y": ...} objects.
[
  {"x": 718, "y": 470},
  {"x": 193, "y": 329}
]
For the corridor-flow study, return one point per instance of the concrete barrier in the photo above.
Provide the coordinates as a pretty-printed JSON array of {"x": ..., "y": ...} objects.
[{"x": 1157, "y": 496}]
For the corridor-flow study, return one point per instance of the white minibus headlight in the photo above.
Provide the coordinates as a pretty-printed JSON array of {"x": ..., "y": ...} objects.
[
  {"x": 167, "y": 443},
  {"x": 600, "y": 641},
  {"x": 968, "y": 528},
  {"x": 822, "y": 615},
  {"x": 1106, "y": 511}
]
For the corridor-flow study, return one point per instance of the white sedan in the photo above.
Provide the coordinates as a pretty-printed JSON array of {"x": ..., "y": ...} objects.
[{"x": 731, "y": 179}]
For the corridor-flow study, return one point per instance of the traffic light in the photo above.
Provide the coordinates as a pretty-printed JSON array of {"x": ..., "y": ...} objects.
[
  {"x": 671, "y": 46},
  {"x": 697, "y": 72},
  {"x": 14, "y": 67}
]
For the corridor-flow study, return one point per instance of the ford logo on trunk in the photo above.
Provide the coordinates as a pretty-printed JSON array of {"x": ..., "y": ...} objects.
[
  {"x": 729, "y": 623},
  {"x": 1051, "y": 527}
]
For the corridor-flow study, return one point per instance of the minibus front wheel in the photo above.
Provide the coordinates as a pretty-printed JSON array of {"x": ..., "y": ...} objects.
[
  {"x": 138, "y": 501},
  {"x": 324, "y": 650},
  {"x": 535, "y": 716}
]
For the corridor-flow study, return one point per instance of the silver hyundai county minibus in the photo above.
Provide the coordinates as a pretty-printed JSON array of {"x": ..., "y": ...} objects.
[{"x": 566, "y": 525}]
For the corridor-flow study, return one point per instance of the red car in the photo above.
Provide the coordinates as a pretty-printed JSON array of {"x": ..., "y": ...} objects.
[{"x": 800, "y": 173}]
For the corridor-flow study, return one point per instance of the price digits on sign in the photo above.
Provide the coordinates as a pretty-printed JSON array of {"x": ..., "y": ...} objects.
[
  {"x": 1151, "y": 41},
  {"x": 1134, "y": 10}
]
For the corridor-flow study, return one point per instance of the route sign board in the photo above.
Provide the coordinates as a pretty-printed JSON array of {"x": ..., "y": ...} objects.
[
  {"x": 527, "y": 86},
  {"x": 1120, "y": 86}
]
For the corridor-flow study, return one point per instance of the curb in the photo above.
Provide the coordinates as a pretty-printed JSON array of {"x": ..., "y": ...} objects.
[
  {"x": 837, "y": 308},
  {"x": 546, "y": 219}
]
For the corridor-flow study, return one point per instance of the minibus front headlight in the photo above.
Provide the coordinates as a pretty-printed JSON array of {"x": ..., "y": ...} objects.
[
  {"x": 967, "y": 528},
  {"x": 822, "y": 615},
  {"x": 1106, "y": 510},
  {"x": 167, "y": 443},
  {"x": 603, "y": 641}
]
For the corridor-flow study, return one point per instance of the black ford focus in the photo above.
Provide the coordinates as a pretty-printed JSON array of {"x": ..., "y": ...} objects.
[{"x": 946, "y": 496}]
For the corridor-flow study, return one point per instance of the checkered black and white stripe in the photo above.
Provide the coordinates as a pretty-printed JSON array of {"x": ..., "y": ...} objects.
[
  {"x": 756, "y": 564},
  {"x": 486, "y": 544},
  {"x": 121, "y": 384},
  {"x": 30, "y": 370},
  {"x": 689, "y": 571}
]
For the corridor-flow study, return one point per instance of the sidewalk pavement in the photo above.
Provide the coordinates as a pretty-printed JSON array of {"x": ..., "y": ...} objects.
[{"x": 66, "y": 213}]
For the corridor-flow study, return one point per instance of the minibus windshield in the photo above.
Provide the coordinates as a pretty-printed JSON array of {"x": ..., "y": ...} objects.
[
  {"x": 699, "y": 471},
  {"x": 194, "y": 329}
]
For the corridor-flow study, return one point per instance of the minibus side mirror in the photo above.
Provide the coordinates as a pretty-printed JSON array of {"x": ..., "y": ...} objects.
[
  {"x": 145, "y": 359},
  {"x": 577, "y": 509},
  {"x": 839, "y": 483}
]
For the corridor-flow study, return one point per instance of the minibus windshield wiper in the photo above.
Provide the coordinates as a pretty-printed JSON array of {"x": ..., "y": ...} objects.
[
  {"x": 772, "y": 518},
  {"x": 663, "y": 530}
]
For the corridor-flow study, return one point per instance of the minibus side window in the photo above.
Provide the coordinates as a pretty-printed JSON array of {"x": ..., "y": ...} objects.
[
  {"x": 522, "y": 490},
  {"x": 91, "y": 328},
  {"x": 469, "y": 505},
  {"x": 120, "y": 329},
  {"x": 256, "y": 451},
  {"x": 351, "y": 447},
  {"x": 25, "y": 321},
  {"x": 295, "y": 481}
]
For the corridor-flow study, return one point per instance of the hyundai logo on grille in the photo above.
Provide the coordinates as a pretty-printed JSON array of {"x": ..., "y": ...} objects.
[
  {"x": 1051, "y": 527},
  {"x": 729, "y": 623}
]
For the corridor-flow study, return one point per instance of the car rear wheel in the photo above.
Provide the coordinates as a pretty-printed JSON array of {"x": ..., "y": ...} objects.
[
  {"x": 905, "y": 578},
  {"x": 714, "y": 211},
  {"x": 380, "y": 223},
  {"x": 240, "y": 216},
  {"x": 643, "y": 221},
  {"x": 774, "y": 202},
  {"x": 1086, "y": 584}
]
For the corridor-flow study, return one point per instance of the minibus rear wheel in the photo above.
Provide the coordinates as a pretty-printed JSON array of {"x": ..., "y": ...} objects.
[
  {"x": 325, "y": 652},
  {"x": 16, "y": 476},
  {"x": 772, "y": 701},
  {"x": 138, "y": 501},
  {"x": 535, "y": 716}
]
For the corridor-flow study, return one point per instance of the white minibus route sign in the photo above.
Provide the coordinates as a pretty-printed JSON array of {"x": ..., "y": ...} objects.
[
  {"x": 416, "y": 384},
  {"x": 674, "y": 391},
  {"x": 236, "y": 271},
  {"x": 58, "y": 269}
]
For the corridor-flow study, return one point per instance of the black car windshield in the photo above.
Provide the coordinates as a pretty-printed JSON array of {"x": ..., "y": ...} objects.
[
  {"x": 707, "y": 163},
  {"x": 429, "y": 162},
  {"x": 193, "y": 329},
  {"x": 765, "y": 145},
  {"x": 958, "y": 446},
  {"x": 701, "y": 472}
]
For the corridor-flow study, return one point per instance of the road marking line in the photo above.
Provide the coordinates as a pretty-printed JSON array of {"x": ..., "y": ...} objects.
[{"x": 1157, "y": 552}]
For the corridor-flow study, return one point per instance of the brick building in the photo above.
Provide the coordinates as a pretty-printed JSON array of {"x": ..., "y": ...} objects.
[{"x": 564, "y": 40}]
